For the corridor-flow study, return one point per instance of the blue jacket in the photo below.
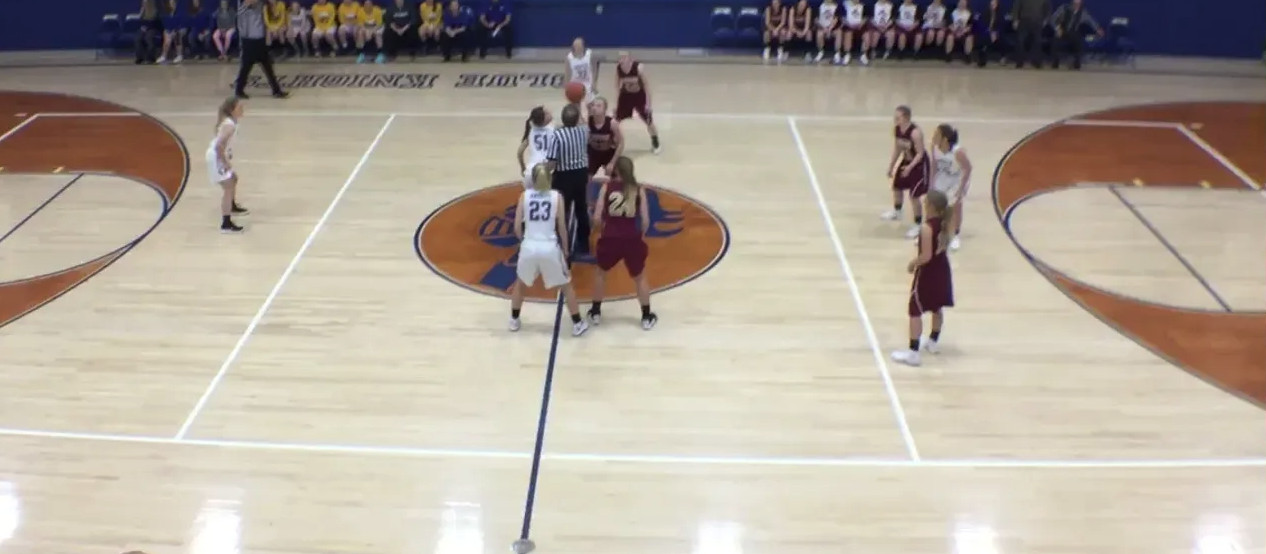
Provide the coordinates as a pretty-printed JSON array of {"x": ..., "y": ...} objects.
[
  {"x": 496, "y": 12},
  {"x": 460, "y": 19}
]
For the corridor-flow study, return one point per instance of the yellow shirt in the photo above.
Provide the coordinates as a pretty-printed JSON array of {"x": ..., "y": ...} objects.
[
  {"x": 323, "y": 17},
  {"x": 349, "y": 14},
  {"x": 275, "y": 16},
  {"x": 431, "y": 15},
  {"x": 371, "y": 17}
]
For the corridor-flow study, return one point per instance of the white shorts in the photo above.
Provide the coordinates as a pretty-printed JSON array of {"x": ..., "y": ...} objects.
[
  {"x": 544, "y": 259},
  {"x": 952, "y": 189},
  {"x": 215, "y": 171}
]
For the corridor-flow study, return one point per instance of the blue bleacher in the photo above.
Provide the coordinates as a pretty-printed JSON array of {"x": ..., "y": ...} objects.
[
  {"x": 108, "y": 35},
  {"x": 748, "y": 26},
  {"x": 724, "y": 28}
]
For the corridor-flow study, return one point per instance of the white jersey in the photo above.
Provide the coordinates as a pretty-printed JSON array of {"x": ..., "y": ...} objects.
[
  {"x": 947, "y": 175},
  {"x": 540, "y": 215},
  {"x": 581, "y": 69},
  {"x": 934, "y": 17},
  {"x": 960, "y": 19},
  {"x": 854, "y": 13},
  {"x": 882, "y": 14},
  {"x": 540, "y": 254},
  {"x": 826, "y": 14},
  {"x": 299, "y": 20},
  {"x": 907, "y": 16},
  {"x": 539, "y": 140},
  {"x": 215, "y": 170}
]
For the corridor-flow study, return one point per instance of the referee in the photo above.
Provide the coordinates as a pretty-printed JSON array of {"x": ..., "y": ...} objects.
[
  {"x": 250, "y": 27},
  {"x": 569, "y": 157}
]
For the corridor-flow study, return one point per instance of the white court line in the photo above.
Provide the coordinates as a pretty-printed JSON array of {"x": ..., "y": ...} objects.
[
  {"x": 281, "y": 282},
  {"x": 89, "y": 114},
  {"x": 717, "y": 116},
  {"x": 19, "y": 126},
  {"x": 750, "y": 461},
  {"x": 1122, "y": 123},
  {"x": 1213, "y": 152},
  {"x": 906, "y": 435}
]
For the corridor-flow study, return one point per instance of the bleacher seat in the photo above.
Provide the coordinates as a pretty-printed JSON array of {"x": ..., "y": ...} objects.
[
  {"x": 1116, "y": 46},
  {"x": 723, "y": 26},
  {"x": 748, "y": 26},
  {"x": 107, "y": 35},
  {"x": 128, "y": 31}
]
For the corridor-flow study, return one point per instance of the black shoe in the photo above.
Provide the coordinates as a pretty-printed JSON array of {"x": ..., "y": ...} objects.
[
  {"x": 238, "y": 210},
  {"x": 649, "y": 321},
  {"x": 230, "y": 228},
  {"x": 243, "y": 96},
  {"x": 281, "y": 95},
  {"x": 595, "y": 316},
  {"x": 1076, "y": 66}
]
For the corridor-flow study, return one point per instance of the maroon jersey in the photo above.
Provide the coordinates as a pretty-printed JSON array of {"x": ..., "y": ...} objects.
[
  {"x": 905, "y": 140},
  {"x": 621, "y": 239},
  {"x": 800, "y": 17},
  {"x": 601, "y": 135},
  {"x": 620, "y": 213},
  {"x": 932, "y": 288},
  {"x": 776, "y": 14},
  {"x": 632, "y": 99}
]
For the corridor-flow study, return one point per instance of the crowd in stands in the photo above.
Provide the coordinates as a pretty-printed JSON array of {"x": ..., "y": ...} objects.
[
  {"x": 1029, "y": 31},
  {"x": 174, "y": 30}
]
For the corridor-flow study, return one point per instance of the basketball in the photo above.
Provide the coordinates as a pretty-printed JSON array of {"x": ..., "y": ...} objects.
[{"x": 575, "y": 92}]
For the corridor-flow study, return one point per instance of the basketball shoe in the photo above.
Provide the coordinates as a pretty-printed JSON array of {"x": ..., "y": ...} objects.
[{"x": 907, "y": 357}]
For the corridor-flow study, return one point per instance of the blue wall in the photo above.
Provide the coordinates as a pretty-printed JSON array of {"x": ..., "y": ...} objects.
[{"x": 1235, "y": 28}]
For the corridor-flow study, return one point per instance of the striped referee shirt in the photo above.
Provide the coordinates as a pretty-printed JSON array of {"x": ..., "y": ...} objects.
[
  {"x": 570, "y": 148},
  {"x": 250, "y": 20}
]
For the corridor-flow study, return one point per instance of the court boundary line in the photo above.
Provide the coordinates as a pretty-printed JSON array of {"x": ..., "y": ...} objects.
[
  {"x": 753, "y": 461},
  {"x": 890, "y": 388},
  {"x": 281, "y": 282},
  {"x": 1220, "y": 158},
  {"x": 494, "y": 114},
  {"x": 47, "y": 201}
]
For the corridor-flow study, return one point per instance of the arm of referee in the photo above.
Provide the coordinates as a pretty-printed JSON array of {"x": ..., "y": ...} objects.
[{"x": 552, "y": 155}]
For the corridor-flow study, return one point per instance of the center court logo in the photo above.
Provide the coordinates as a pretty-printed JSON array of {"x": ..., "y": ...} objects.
[{"x": 470, "y": 242}]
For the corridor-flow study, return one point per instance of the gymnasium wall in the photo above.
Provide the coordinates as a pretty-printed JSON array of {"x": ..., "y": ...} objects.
[{"x": 1235, "y": 28}]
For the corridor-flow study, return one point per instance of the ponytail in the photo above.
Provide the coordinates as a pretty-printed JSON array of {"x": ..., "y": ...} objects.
[
  {"x": 949, "y": 133},
  {"x": 226, "y": 110},
  {"x": 624, "y": 170},
  {"x": 542, "y": 178},
  {"x": 527, "y": 129},
  {"x": 939, "y": 203}
]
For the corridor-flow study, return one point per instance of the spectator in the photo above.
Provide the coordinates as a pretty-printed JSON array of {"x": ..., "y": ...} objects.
[
  {"x": 200, "y": 27},
  {"x": 147, "y": 36},
  {"x": 456, "y": 33},
  {"x": 1029, "y": 17},
  {"x": 991, "y": 25},
  {"x": 225, "y": 28},
  {"x": 175, "y": 31},
  {"x": 400, "y": 33},
  {"x": 494, "y": 25},
  {"x": 430, "y": 23},
  {"x": 1067, "y": 22}
]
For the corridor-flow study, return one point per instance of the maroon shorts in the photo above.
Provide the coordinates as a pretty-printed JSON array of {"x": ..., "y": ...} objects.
[
  {"x": 599, "y": 159},
  {"x": 959, "y": 32},
  {"x": 626, "y": 107},
  {"x": 613, "y": 250},
  {"x": 829, "y": 31},
  {"x": 850, "y": 28},
  {"x": 916, "y": 183},
  {"x": 931, "y": 291},
  {"x": 880, "y": 28},
  {"x": 908, "y": 33}
]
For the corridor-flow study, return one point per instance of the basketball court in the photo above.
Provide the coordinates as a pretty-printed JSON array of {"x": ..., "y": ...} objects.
[{"x": 339, "y": 378}]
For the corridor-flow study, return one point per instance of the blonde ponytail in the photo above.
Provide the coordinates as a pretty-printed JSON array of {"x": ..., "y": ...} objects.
[{"x": 542, "y": 178}]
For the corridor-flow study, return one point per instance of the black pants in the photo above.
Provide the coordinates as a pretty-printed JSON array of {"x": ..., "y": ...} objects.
[
  {"x": 459, "y": 42},
  {"x": 1028, "y": 43},
  {"x": 505, "y": 36},
  {"x": 148, "y": 41},
  {"x": 987, "y": 47},
  {"x": 1068, "y": 43},
  {"x": 255, "y": 51},
  {"x": 574, "y": 186},
  {"x": 393, "y": 42}
]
